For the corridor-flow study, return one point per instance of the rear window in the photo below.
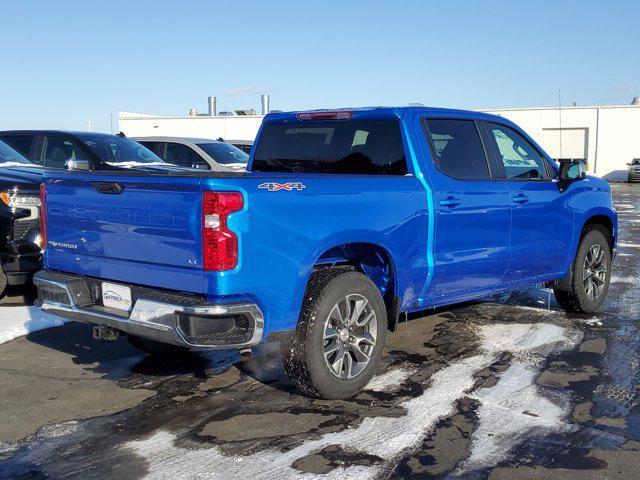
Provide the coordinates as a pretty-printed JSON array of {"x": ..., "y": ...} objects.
[
  {"x": 371, "y": 147},
  {"x": 21, "y": 143}
]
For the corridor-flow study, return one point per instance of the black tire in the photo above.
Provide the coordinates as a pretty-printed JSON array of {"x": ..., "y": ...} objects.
[
  {"x": 157, "y": 349},
  {"x": 573, "y": 293},
  {"x": 305, "y": 362}
]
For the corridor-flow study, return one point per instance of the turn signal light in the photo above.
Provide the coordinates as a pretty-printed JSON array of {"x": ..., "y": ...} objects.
[{"x": 219, "y": 244}]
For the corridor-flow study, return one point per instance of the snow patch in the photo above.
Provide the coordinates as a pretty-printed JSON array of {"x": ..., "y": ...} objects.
[
  {"x": 389, "y": 380},
  {"x": 623, "y": 280},
  {"x": 509, "y": 412},
  {"x": 18, "y": 321},
  {"x": 388, "y": 438}
]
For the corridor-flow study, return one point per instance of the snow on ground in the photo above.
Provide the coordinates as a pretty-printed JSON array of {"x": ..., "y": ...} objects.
[
  {"x": 18, "y": 321},
  {"x": 389, "y": 380},
  {"x": 616, "y": 279},
  {"x": 389, "y": 438}
]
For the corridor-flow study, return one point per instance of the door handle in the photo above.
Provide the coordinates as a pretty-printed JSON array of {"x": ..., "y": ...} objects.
[
  {"x": 521, "y": 198},
  {"x": 107, "y": 187},
  {"x": 450, "y": 202}
]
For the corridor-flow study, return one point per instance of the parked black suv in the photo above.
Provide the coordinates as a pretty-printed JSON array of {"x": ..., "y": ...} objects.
[
  {"x": 95, "y": 151},
  {"x": 634, "y": 171},
  {"x": 20, "y": 241}
]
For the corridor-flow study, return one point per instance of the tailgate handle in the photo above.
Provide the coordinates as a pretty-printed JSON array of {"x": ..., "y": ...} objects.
[{"x": 107, "y": 187}]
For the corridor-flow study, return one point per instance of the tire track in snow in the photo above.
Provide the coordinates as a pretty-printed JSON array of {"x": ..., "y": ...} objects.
[{"x": 390, "y": 438}]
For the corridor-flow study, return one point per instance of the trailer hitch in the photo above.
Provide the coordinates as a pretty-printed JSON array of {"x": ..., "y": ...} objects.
[{"x": 101, "y": 332}]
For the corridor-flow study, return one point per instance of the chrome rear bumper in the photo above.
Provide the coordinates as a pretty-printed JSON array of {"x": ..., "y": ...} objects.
[{"x": 157, "y": 315}]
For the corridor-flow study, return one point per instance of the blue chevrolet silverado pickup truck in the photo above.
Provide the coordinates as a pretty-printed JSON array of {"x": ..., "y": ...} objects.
[{"x": 346, "y": 222}]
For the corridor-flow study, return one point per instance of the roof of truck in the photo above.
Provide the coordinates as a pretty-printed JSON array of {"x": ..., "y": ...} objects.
[{"x": 381, "y": 112}]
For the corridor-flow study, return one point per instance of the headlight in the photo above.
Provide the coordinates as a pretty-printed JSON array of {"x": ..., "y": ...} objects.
[{"x": 17, "y": 200}]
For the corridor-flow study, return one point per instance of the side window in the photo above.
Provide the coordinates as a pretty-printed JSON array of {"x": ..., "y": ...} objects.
[
  {"x": 458, "y": 148},
  {"x": 520, "y": 159},
  {"x": 21, "y": 143},
  {"x": 181, "y": 155},
  {"x": 150, "y": 145},
  {"x": 56, "y": 151}
]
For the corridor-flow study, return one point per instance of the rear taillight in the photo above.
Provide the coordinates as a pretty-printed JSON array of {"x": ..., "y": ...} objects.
[
  {"x": 43, "y": 214},
  {"x": 219, "y": 244},
  {"x": 327, "y": 115}
]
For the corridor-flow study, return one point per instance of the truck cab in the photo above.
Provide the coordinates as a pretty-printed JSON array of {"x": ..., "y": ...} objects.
[{"x": 345, "y": 222}]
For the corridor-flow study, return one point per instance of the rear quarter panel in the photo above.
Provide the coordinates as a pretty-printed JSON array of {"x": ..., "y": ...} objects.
[{"x": 283, "y": 233}]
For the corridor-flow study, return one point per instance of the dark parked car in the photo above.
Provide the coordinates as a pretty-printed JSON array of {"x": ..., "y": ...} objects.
[
  {"x": 201, "y": 153},
  {"x": 634, "y": 171},
  {"x": 90, "y": 151},
  {"x": 20, "y": 239}
]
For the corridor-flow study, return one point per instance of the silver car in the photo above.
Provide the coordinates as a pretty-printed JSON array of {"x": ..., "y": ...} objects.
[
  {"x": 634, "y": 170},
  {"x": 201, "y": 153},
  {"x": 244, "y": 145}
]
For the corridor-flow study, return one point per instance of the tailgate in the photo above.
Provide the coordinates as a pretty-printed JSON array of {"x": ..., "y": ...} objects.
[{"x": 136, "y": 229}]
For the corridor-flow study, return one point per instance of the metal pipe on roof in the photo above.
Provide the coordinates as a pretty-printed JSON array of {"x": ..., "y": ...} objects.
[
  {"x": 264, "y": 99},
  {"x": 213, "y": 108}
]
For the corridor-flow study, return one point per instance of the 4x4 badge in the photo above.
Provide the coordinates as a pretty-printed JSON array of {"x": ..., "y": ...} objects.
[{"x": 274, "y": 186}]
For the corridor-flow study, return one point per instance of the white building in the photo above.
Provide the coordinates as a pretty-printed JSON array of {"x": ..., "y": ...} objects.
[
  {"x": 606, "y": 137},
  {"x": 241, "y": 127}
]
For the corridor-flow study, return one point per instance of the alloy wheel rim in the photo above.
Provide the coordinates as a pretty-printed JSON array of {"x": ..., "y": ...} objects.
[
  {"x": 594, "y": 274},
  {"x": 349, "y": 337}
]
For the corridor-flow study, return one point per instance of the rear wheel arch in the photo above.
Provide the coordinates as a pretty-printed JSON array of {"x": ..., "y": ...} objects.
[{"x": 372, "y": 260}]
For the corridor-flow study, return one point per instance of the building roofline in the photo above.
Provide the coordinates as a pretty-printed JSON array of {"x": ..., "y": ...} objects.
[{"x": 571, "y": 107}]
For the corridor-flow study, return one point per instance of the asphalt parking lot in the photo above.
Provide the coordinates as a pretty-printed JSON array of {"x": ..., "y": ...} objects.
[{"x": 510, "y": 387}]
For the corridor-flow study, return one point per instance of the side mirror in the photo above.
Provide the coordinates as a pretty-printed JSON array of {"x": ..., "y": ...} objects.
[
  {"x": 571, "y": 171},
  {"x": 77, "y": 165}
]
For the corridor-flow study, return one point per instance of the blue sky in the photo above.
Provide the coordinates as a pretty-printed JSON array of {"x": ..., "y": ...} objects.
[{"x": 66, "y": 62}]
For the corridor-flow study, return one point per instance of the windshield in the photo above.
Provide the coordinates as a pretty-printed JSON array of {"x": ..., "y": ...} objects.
[
  {"x": 117, "y": 150},
  {"x": 9, "y": 157},
  {"x": 339, "y": 147},
  {"x": 225, "y": 154}
]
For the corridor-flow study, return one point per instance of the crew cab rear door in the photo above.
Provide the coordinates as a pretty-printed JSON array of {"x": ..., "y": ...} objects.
[
  {"x": 472, "y": 209},
  {"x": 132, "y": 227}
]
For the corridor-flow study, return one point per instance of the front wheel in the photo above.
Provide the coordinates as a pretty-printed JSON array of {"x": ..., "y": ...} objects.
[
  {"x": 340, "y": 335},
  {"x": 585, "y": 289}
]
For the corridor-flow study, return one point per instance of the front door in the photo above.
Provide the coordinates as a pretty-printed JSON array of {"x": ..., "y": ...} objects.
[
  {"x": 472, "y": 209},
  {"x": 542, "y": 223}
]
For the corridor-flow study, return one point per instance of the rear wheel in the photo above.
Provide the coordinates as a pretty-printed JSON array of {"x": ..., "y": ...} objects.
[
  {"x": 585, "y": 289},
  {"x": 340, "y": 335}
]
